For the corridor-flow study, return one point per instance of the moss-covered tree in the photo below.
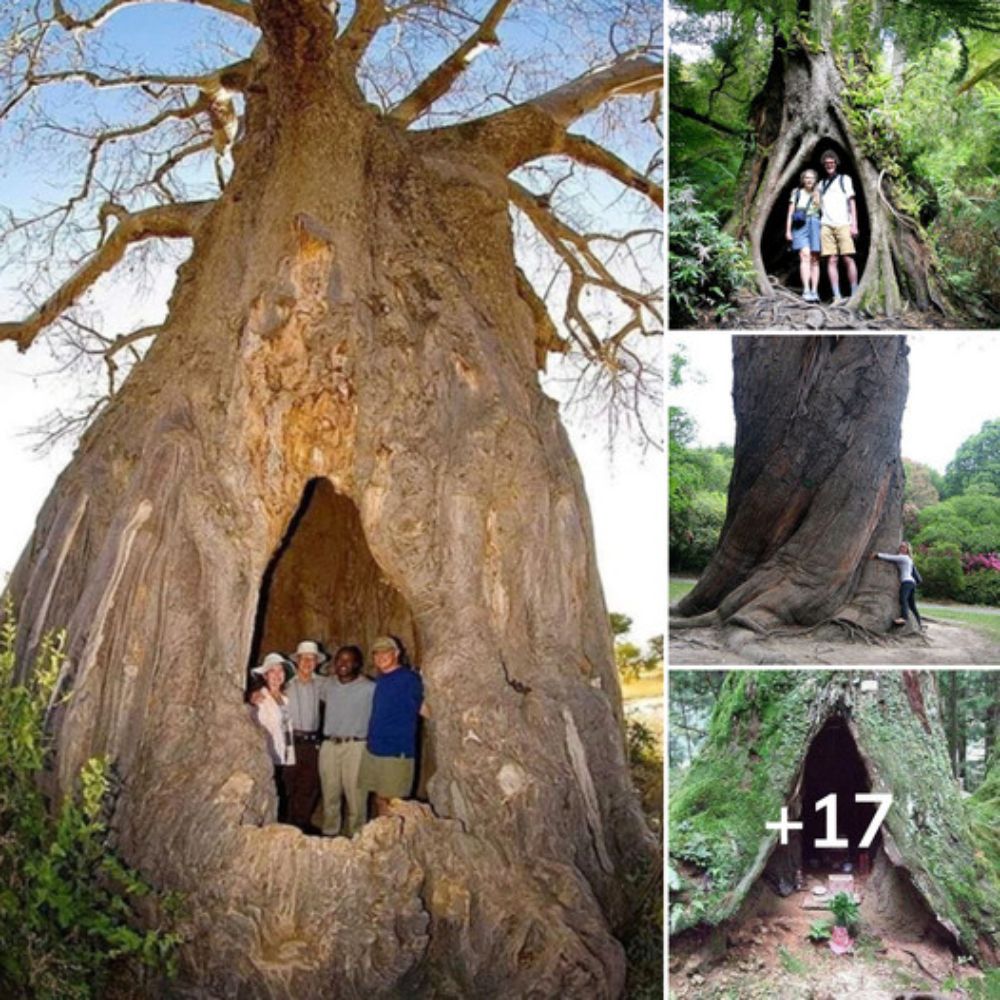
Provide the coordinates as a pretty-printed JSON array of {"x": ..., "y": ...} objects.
[
  {"x": 753, "y": 763},
  {"x": 339, "y": 428}
]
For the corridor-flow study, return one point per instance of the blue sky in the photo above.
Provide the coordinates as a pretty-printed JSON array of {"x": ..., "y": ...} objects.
[{"x": 626, "y": 488}]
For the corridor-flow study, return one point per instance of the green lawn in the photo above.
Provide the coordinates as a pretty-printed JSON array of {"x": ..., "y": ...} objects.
[
  {"x": 678, "y": 589},
  {"x": 981, "y": 620}
]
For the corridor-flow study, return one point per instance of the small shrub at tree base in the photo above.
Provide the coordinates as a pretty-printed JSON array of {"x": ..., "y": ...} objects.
[
  {"x": 846, "y": 912},
  {"x": 820, "y": 930},
  {"x": 706, "y": 265},
  {"x": 66, "y": 917}
]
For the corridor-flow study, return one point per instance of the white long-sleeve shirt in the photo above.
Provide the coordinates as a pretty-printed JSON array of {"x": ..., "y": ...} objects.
[
  {"x": 277, "y": 723},
  {"x": 903, "y": 563}
]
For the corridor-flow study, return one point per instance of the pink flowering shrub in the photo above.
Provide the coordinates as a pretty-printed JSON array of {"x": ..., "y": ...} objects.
[{"x": 981, "y": 560}]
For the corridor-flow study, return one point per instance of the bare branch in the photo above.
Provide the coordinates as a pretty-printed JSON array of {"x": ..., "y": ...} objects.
[
  {"x": 440, "y": 80},
  {"x": 592, "y": 154},
  {"x": 163, "y": 221},
  {"x": 587, "y": 270},
  {"x": 547, "y": 339},
  {"x": 538, "y": 126},
  {"x": 235, "y": 8}
]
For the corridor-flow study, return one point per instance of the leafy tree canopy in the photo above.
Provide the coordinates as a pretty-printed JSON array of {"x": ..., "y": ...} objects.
[{"x": 976, "y": 465}]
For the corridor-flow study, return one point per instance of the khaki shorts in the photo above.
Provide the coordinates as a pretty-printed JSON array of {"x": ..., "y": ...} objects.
[
  {"x": 836, "y": 240},
  {"x": 388, "y": 777}
]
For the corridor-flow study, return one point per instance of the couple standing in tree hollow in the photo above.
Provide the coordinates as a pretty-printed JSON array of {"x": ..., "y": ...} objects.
[{"x": 823, "y": 219}]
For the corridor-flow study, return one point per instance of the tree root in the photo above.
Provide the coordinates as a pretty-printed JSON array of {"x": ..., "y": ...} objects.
[
  {"x": 705, "y": 620},
  {"x": 785, "y": 310}
]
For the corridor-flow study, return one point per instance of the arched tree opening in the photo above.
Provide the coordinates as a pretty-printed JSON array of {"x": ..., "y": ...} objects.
[
  {"x": 833, "y": 766},
  {"x": 778, "y": 262},
  {"x": 323, "y": 582}
]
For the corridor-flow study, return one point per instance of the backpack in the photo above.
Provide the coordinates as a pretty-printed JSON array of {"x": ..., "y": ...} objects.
[{"x": 824, "y": 185}]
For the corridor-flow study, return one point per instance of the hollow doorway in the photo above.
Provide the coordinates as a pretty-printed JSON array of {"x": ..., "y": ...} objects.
[
  {"x": 780, "y": 264},
  {"x": 833, "y": 766},
  {"x": 324, "y": 584}
]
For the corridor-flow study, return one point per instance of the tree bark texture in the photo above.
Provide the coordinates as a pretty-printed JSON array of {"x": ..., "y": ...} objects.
[
  {"x": 817, "y": 485},
  {"x": 799, "y": 114},
  {"x": 755, "y": 762},
  {"x": 350, "y": 315}
]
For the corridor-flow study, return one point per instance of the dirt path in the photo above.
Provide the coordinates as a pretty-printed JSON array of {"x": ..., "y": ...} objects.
[
  {"x": 942, "y": 644},
  {"x": 769, "y": 957}
]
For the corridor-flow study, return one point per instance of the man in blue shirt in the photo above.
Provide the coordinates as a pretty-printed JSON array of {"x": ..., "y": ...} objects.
[{"x": 390, "y": 755}]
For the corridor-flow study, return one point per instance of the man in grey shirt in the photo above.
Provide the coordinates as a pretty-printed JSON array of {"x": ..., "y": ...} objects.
[
  {"x": 908, "y": 580},
  {"x": 348, "y": 696},
  {"x": 304, "y": 692}
]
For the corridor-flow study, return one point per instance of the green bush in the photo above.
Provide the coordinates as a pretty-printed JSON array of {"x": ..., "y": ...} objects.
[
  {"x": 66, "y": 919},
  {"x": 970, "y": 521},
  {"x": 695, "y": 530},
  {"x": 941, "y": 568},
  {"x": 706, "y": 265},
  {"x": 981, "y": 587}
]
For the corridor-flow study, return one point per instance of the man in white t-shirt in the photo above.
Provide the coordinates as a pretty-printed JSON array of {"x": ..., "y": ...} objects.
[{"x": 839, "y": 224}]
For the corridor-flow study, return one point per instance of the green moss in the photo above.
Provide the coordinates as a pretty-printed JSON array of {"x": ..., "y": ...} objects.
[{"x": 758, "y": 738}]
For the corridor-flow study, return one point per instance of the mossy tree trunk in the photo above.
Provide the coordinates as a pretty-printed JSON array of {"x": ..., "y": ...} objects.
[
  {"x": 351, "y": 314},
  {"x": 817, "y": 485},
  {"x": 801, "y": 111}
]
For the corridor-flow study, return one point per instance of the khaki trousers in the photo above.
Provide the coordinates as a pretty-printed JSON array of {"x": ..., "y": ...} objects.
[{"x": 339, "y": 776}]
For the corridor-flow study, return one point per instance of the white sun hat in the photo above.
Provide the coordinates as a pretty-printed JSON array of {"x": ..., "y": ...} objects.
[
  {"x": 309, "y": 648},
  {"x": 271, "y": 660}
]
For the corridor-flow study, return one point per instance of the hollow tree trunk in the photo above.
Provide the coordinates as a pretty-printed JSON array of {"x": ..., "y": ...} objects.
[
  {"x": 817, "y": 484},
  {"x": 801, "y": 112},
  {"x": 350, "y": 314}
]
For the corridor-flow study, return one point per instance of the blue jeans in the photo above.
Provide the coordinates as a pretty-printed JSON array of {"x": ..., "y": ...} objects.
[{"x": 908, "y": 599}]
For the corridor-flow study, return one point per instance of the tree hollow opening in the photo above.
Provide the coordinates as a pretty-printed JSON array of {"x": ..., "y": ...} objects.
[
  {"x": 324, "y": 584},
  {"x": 781, "y": 265}
]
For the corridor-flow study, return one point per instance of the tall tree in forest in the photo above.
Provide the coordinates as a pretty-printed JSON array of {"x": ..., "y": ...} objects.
[
  {"x": 338, "y": 430},
  {"x": 817, "y": 485},
  {"x": 820, "y": 92}
]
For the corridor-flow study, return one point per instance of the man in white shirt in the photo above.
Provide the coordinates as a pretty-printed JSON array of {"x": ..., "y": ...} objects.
[{"x": 839, "y": 224}]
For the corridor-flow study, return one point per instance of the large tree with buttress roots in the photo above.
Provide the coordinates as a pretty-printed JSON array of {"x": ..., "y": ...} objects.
[
  {"x": 817, "y": 486},
  {"x": 830, "y": 72},
  {"x": 337, "y": 431}
]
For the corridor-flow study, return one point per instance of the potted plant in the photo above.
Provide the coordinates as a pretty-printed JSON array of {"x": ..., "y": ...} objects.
[{"x": 845, "y": 917}]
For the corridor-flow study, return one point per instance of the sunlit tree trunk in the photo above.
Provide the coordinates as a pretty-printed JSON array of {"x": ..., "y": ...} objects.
[{"x": 350, "y": 314}]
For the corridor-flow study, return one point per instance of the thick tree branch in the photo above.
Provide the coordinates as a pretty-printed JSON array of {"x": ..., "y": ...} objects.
[
  {"x": 538, "y": 126},
  {"x": 235, "y": 8},
  {"x": 547, "y": 339},
  {"x": 369, "y": 16},
  {"x": 164, "y": 221},
  {"x": 442, "y": 79},
  {"x": 592, "y": 154}
]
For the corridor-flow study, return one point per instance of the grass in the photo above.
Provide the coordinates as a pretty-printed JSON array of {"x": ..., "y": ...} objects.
[
  {"x": 791, "y": 963},
  {"x": 647, "y": 686},
  {"x": 982, "y": 621},
  {"x": 678, "y": 589}
]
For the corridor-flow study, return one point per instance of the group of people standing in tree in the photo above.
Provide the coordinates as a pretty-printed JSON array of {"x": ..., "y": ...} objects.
[
  {"x": 337, "y": 738},
  {"x": 823, "y": 221}
]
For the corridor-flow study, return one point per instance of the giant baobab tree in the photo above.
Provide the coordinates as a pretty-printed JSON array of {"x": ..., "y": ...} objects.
[{"x": 338, "y": 430}]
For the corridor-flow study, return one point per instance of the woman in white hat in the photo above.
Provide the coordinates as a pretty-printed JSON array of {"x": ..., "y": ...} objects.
[{"x": 270, "y": 710}]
